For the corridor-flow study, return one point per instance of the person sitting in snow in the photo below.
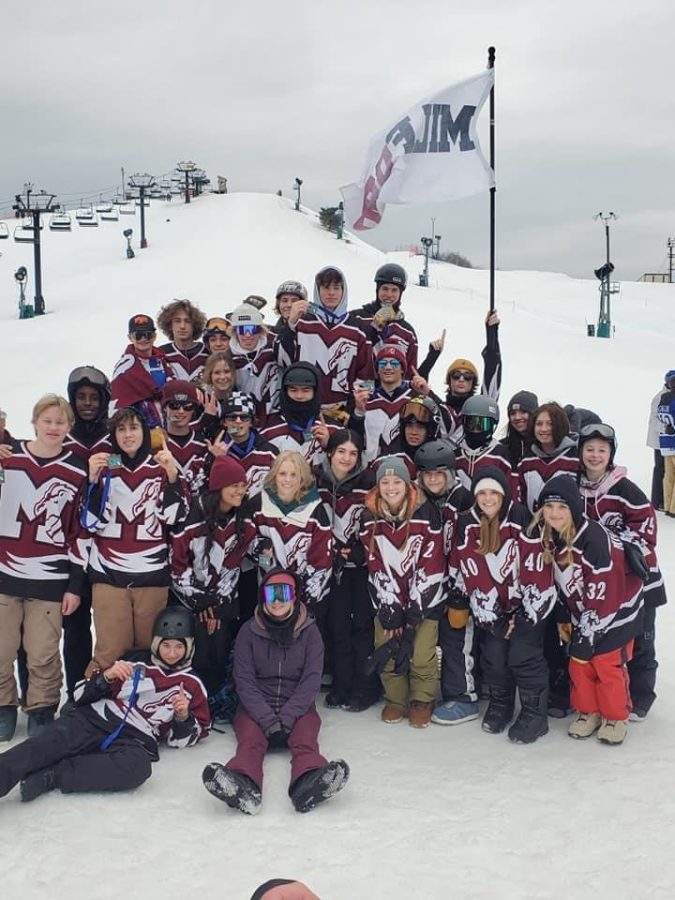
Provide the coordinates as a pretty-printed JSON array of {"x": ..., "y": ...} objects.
[
  {"x": 278, "y": 661},
  {"x": 109, "y": 741}
]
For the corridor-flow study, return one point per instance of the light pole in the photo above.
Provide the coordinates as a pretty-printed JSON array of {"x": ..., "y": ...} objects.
[
  {"x": 424, "y": 277},
  {"x": 298, "y": 185},
  {"x": 186, "y": 167},
  {"x": 670, "y": 244},
  {"x": 142, "y": 183},
  {"x": 604, "y": 273},
  {"x": 36, "y": 205}
]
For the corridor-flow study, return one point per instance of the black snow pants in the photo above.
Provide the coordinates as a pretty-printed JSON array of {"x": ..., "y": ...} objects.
[
  {"x": 350, "y": 634},
  {"x": 517, "y": 660},
  {"x": 458, "y": 661}
]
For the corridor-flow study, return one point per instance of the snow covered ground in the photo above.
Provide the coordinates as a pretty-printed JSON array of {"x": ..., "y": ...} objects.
[{"x": 439, "y": 813}]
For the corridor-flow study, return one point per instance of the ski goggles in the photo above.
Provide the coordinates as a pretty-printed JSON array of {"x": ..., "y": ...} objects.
[
  {"x": 247, "y": 330},
  {"x": 416, "y": 411},
  {"x": 187, "y": 405},
  {"x": 87, "y": 373},
  {"x": 477, "y": 424},
  {"x": 462, "y": 376},
  {"x": 216, "y": 326},
  {"x": 598, "y": 430},
  {"x": 413, "y": 420},
  {"x": 278, "y": 593},
  {"x": 390, "y": 363}
]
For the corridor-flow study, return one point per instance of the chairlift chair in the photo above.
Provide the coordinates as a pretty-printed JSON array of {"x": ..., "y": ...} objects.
[
  {"x": 103, "y": 207},
  {"x": 89, "y": 219},
  {"x": 127, "y": 209},
  {"x": 23, "y": 235},
  {"x": 110, "y": 215},
  {"x": 84, "y": 213},
  {"x": 4, "y": 231},
  {"x": 60, "y": 222}
]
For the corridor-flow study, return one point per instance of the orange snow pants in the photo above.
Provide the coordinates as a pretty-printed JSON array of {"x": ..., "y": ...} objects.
[{"x": 601, "y": 684}]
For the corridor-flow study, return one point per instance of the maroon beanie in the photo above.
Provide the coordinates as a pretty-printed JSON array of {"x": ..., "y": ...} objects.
[
  {"x": 225, "y": 471},
  {"x": 392, "y": 351},
  {"x": 182, "y": 391}
]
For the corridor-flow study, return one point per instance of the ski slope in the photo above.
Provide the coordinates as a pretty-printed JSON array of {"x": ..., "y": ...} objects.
[{"x": 439, "y": 813}]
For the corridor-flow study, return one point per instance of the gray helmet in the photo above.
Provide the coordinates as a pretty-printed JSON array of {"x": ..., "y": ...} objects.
[
  {"x": 292, "y": 287},
  {"x": 175, "y": 622},
  {"x": 435, "y": 455},
  {"x": 480, "y": 405}
]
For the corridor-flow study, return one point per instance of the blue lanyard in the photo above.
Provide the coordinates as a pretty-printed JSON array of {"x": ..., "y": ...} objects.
[
  {"x": 104, "y": 499},
  {"x": 138, "y": 671}
]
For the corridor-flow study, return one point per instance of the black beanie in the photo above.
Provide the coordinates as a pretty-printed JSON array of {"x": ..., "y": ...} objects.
[
  {"x": 525, "y": 400},
  {"x": 563, "y": 489}
]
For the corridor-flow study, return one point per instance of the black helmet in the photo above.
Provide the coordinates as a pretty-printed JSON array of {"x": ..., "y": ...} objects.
[
  {"x": 175, "y": 623},
  {"x": 302, "y": 373},
  {"x": 425, "y": 411},
  {"x": 435, "y": 455},
  {"x": 391, "y": 273}
]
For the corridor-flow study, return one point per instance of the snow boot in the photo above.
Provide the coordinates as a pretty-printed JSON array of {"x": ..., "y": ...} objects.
[
  {"x": 585, "y": 725},
  {"x": 318, "y": 785},
  {"x": 392, "y": 714},
  {"x": 234, "y": 788},
  {"x": 336, "y": 699},
  {"x": 419, "y": 714},
  {"x": 7, "y": 723},
  {"x": 454, "y": 712},
  {"x": 532, "y": 721},
  {"x": 39, "y": 720},
  {"x": 358, "y": 702},
  {"x": 612, "y": 731},
  {"x": 37, "y": 783},
  {"x": 500, "y": 709}
]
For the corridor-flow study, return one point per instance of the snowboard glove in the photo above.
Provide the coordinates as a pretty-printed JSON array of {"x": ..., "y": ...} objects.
[
  {"x": 458, "y": 617},
  {"x": 277, "y": 738},
  {"x": 405, "y": 651},
  {"x": 380, "y": 657},
  {"x": 636, "y": 561},
  {"x": 390, "y": 616}
]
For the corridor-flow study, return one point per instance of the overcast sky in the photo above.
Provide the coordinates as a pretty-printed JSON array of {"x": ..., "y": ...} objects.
[{"x": 263, "y": 91}]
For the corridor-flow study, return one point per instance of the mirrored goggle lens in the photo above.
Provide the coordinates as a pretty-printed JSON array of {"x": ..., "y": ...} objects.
[
  {"x": 416, "y": 411},
  {"x": 247, "y": 329},
  {"x": 390, "y": 363},
  {"x": 477, "y": 423},
  {"x": 278, "y": 593}
]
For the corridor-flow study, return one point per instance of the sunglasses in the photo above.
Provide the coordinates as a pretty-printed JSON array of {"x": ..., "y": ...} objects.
[
  {"x": 476, "y": 424},
  {"x": 187, "y": 405},
  {"x": 462, "y": 376},
  {"x": 392, "y": 363},
  {"x": 599, "y": 430},
  {"x": 247, "y": 330},
  {"x": 143, "y": 335},
  {"x": 237, "y": 417},
  {"x": 278, "y": 593}
]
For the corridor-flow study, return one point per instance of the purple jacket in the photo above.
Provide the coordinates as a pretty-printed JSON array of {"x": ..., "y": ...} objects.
[{"x": 275, "y": 683}]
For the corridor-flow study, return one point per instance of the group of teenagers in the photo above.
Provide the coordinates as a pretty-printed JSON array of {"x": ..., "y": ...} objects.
[{"x": 250, "y": 511}]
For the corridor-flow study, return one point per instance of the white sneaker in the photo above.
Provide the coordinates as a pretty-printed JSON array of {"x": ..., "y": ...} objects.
[
  {"x": 638, "y": 715},
  {"x": 584, "y": 725},
  {"x": 613, "y": 732}
]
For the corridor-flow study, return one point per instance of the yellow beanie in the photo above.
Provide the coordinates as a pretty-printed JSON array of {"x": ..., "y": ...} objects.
[{"x": 465, "y": 365}]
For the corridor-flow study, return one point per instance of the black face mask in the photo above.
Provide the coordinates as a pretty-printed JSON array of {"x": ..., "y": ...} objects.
[
  {"x": 280, "y": 630},
  {"x": 299, "y": 412},
  {"x": 476, "y": 439}
]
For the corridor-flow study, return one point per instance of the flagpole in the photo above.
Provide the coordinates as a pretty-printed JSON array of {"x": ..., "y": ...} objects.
[{"x": 493, "y": 190}]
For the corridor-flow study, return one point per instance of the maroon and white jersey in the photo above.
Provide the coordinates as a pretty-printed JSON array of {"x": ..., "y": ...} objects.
[
  {"x": 152, "y": 714},
  {"x": 398, "y": 332},
  {"x": 258, "y": 375},
  {"x": 490, "y": 581},
  {"x": 622, "y": 508},
  {"x": 343, "y": 502},
  {"x": 341, "y": 352},
  {"x": 603, "y": 597},
  {"x": 191, "y": 455},
  {"x": 43, "y": 549},
  {"x": 300, "y": 540},
  {"x": 202, "y": 581},
  {"x": 381, "y": 422},
  {"x": 84, "y": 451},
  {"x": 133, "y": 384},
  {"x": 129, "y": 512},
  {"x": 404, "y": 557},
  {"x": 187, "y": 365},
  {"x": 470, "y": 462},
  {"x": 256, "y": 457},
  {"x": 536, "y": 468},
  {"x": 285, "y": 436}
]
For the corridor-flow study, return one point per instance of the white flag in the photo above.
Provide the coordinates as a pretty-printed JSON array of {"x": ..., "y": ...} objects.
[{"x": 430, "y": 154}]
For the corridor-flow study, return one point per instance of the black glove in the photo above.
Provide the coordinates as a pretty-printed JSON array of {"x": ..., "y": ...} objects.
[
  {"x": 405, "y": 651},
  {"x": 380, "y": 657},
  {"x": 636, "y": 561},
  {"x": 277, "y": 738},
  {"x": 391, "y": 616}
]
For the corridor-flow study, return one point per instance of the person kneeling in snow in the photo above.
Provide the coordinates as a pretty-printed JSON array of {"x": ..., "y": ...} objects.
[
  {"x": 109, "y": 740},
  {"x": 278, "y": 661}
]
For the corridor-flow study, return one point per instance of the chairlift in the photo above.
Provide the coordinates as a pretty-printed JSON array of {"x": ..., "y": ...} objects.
[
  {"x": 146, "y": 202},
  {"x": 23, "y": 235},
  {"x": 103, "y": 207},
  {"x": 4, "y": 231},
  {"x": 27, "y": 225},
  {"x": 110, "y": 215},
  {"x": 84, "y": 214},
  {"x": 127, "y": 209},
  {"x": 60, "y": 222}
]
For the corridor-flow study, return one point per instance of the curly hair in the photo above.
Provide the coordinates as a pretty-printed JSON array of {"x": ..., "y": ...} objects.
[{"x": 167, "y": 312}]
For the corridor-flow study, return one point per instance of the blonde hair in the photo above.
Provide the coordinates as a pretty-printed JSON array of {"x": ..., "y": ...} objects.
[
  {"x": 567, "y": 535},
  {"x": 212, "y": 361},
  {"x": 489, "y": 530},
  {"x": 405, "y": 513},
  {"x": 48, "y": 400},
  {"x": 301, "y": 465}
]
